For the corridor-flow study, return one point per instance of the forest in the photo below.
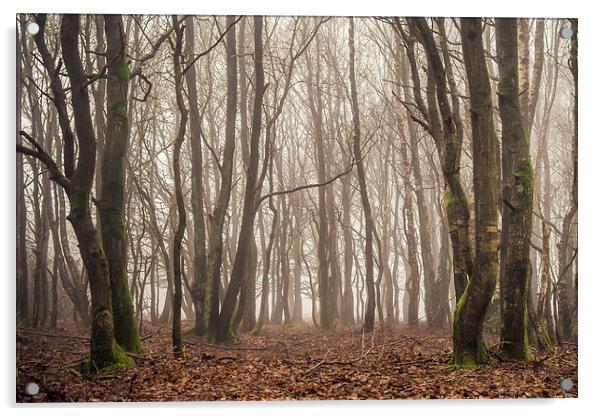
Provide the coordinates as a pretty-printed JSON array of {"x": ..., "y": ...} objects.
[{"x": 284, "y": 208}]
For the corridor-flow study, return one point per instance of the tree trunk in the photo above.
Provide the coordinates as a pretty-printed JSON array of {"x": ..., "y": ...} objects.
[
  {"x": 104, "y": 351},
  {"x": 469, "y": 348},
  {"x": 216, "y": 226},
  {"x": 199, "y": 280},
  {"x": 361, "y": 174},
  {"x": 514, "y": 280},
  {"x": 324, "y": 280},
  {"x": 112, "y": 202},
  {"x": 442, "y": 127},
  {"x": 348, "y": 317},
  {"x": 224, "y": 329},
  {"x": 181, "y": 228}
]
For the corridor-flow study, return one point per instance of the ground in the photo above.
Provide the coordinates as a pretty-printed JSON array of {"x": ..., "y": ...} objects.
[{"x": 293, "y": 363}]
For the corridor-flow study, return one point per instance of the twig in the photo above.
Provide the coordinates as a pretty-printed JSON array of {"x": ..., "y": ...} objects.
[{"x": 319, "y": 364}]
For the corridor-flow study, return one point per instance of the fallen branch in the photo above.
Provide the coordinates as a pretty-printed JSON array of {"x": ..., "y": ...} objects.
[
  {"x": 45, "y": 334},
  {"x": 221, "y": 347},
  {"x": 548, "y": 358},
  {"x": 309, "y": 370}
]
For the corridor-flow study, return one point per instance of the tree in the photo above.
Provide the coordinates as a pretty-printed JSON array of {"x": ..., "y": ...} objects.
[
  {"x": 514, "y": 279},
  {"x": 181, "y": 227},
  {"x": 104, "y": 351},
  {"x": 23, "y": 308},
  {"x": 361, "y": 175},
  {"x": 566, "y": 304},
  {"x": 216, "y": 219},
  {"x": 469, "y": 348},
  {"x": 196, "y": 194},
  {"x": 442, "y": 127},
  {"x": 224, "y": 329},
  {"x": 316, "y": 108},
  {"x": 112, "y": 201}
]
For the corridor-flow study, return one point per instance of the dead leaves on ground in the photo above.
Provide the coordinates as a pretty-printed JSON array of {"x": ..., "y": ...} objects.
[{"x": 291, "y": 363}]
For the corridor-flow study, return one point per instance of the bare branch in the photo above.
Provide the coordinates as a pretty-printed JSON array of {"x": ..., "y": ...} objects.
[{"x": 39, "y": 153}]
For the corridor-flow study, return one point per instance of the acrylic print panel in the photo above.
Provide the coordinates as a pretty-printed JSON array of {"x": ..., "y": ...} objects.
[{"x": 275, "y": 208}]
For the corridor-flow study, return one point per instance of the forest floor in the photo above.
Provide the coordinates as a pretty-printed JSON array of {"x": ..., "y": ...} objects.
[{"x": 292, "y": 363}]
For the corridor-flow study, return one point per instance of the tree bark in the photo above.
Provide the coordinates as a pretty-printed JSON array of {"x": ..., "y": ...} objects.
[
  {"x": 216, "y": 225},
  {"x": 515, "y": 277},
  {"x": 361, "y": 174},
  {"x": 112, "y": 202},
  {"x": 448, "y": 144},
  {"x": 469, "y": 348},
  {"x": 198, "y": 215},
  {"x": 224, "y": 329},
  {"x": 181, "y": 227}
]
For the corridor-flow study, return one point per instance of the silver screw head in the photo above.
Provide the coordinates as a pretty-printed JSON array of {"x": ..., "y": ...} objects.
[
  {"x": 566, "y": 384},
  {"x": 566, "y": 32},
  {"x": 31, "y": 389},
  {"x": 32, "y": 28}
]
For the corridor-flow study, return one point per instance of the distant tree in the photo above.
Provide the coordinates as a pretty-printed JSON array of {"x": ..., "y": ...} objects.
[
  {"x": 361, "y": 175},
  {"x": 224, "y": 329},
  {"x": 199, "y": 268},
  {"x": 181, "y": 227}
]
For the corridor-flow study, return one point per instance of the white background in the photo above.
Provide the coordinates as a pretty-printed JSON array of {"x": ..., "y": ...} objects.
[{"x": 590, "y": 160}]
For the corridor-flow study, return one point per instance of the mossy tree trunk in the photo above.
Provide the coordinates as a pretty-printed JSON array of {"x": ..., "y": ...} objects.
[
  {"x": 518, "y": 198},
  {"x": 469, "y": 348},
  {"x": 104, "y": 349},
  {"x": 441, "y": 125},
  {"x": 112, "y": 200},
  {"x": 77, "y": 183}
]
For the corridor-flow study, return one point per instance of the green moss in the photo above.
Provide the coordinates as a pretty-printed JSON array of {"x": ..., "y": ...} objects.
[
  {"x": 181, "y": 354},
  {"x": 467, "y": 362},
  {"x": 80, "y": 204},
  {"x": 125, "y": 328},
  {"x": 123, "y": 72},
  {"x": 123, "y": 360},
  {"x": 455, "y": 205},
  {"x": 459, "y": 306},
  {"x": 120, "y": 360},
  {"x": 506, "y": 87},
  {"x": 113, "y": 219},
  {"x": 119, "y": 111},
  {"x": 126, "y": 332},
  {"x": 466, "y": 357},
  {"x": 524, "y": 178}
]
